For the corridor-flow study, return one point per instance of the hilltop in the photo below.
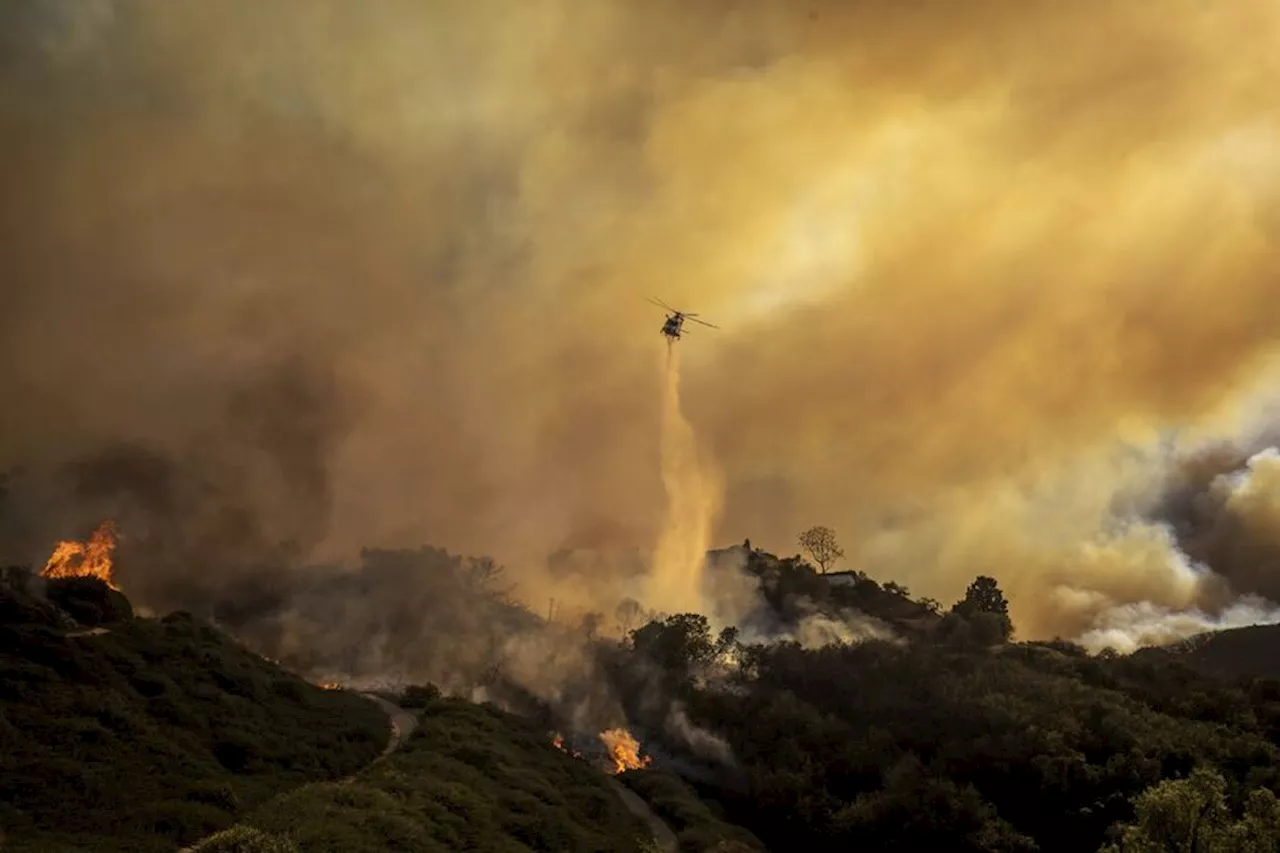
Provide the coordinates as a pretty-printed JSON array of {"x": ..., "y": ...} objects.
[
  {"x": 122, "y": 733},
  {"x": 1251, "y": 651},
  {"x": 792, "y": 592}
]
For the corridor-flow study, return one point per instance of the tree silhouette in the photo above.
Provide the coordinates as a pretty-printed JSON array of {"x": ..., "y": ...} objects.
[
  {"x": 983, "y": 596},
  {"x": 627, "y": 614},
  {"x": 821, "y": 545},
  {"x": 984, "y": 604},
  {"x": 679, "y": 644},
  {"x": 590, "y": 625}
]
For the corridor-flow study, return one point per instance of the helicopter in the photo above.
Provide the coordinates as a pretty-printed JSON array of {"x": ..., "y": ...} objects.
[{"x": 673, "y": 327}]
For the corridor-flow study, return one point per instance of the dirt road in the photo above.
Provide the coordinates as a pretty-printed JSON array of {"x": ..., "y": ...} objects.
[
  {"x": 662, "y": 833},
  {"x": 402, "y": 722},
  {"x": 402, "y": 725}
]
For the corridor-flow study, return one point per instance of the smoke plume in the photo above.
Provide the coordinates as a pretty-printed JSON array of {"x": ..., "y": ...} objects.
[{"x": 282, "y": 281}]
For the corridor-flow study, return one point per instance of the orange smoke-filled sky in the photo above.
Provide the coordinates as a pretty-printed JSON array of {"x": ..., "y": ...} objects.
[{"x": 958, "y": 252}]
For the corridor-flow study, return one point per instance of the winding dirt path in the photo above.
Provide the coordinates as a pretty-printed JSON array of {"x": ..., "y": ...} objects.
[
  {"x": 662, "y": 833},
  {"x": 402, "y": 723}
]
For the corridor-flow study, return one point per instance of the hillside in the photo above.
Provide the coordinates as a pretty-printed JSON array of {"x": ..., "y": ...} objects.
[
  {"x": 844, "y": 714},
  {"x": 122, "y": 733},
  {"x": 469, "y": 778},
  {"x": 1252, "y": 651},
  {"x": 956, "y": 738},
  {"x": 152, "y": 733}
]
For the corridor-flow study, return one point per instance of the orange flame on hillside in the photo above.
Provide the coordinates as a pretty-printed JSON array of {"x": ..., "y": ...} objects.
[
  {"x": 92, "y": 559},
  {"x": 624, "y": 750},
  {"x": 557, "y": 740}
]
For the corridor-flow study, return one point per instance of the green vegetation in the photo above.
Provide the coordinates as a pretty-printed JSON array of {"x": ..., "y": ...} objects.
[
  {"x": 1242, "y": 652},
  {"x": 245, "y": 839},
  {"x": 469, "y": 778},
  {"x": 156, "y": 733},
  {"x": 949, "y": 737},
  {"x": 932, "y": 731},
  {"x": 89, "y": 601},
  {"x": 1192, "y": 814},
  {"x": 696, "y": 825}
]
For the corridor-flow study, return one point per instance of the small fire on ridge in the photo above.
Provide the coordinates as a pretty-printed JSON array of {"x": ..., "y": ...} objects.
[
  {"x": 557, "y": 740},
  {"x": 72, "y": 559}
]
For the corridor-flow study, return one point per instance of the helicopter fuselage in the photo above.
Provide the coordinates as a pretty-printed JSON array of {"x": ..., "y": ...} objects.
[{"x": 673, "y": 327}]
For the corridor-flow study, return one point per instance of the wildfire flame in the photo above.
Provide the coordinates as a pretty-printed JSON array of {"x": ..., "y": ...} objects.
[
  {"x": 557, "y": 740},
  {"x": 331, "y": 685},
  {"x": 624, "y": 751},
  {"x": 72, "y": 559}
]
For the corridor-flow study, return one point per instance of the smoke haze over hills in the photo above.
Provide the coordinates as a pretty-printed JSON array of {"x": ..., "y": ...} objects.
[{"x": 336, "y": 275}]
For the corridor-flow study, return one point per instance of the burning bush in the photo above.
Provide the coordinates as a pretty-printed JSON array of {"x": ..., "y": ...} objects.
[
  {"x": 72, "y": 559},
  {"x": 624, "y": 751},
  {"x": 80, "y": 579}
]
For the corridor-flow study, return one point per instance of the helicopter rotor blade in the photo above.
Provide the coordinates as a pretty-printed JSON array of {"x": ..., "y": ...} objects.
[
  {"x": 662, "y": 304},
  {"x": 703, "y": 322}
]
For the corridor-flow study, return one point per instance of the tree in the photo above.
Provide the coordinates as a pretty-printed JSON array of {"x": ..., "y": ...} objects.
[
  {"x": 483, "y": 575},
  {"x": 590, "y": 625},
  {"x": 627, "y": 614},
  {"x": 983, "y": 596},
  {"x": 985, "y": 605},
  {"x": 821, "y": 545},
  {"x": 726, "y": 642},
  {"x": 1192, "y": 814},
  {"x": 679, "y": 644}
]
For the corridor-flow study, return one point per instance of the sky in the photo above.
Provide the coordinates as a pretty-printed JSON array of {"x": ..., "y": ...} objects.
[{"x": 988, "y": 275}]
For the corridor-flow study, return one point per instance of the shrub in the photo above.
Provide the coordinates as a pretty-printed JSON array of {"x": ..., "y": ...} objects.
[
  {"x": 419, "y": 695},
  {"x": 245, "y": 839},
  {"x": 89, "y": 601}
]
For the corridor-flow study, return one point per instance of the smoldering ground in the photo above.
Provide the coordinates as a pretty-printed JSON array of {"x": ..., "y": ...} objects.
[{"x": 952, "y": 268}]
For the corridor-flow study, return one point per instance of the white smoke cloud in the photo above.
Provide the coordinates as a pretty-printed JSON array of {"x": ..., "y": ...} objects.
[
  {"x": 700, "y": 741},
  {"x": 1128, "y": 627}
]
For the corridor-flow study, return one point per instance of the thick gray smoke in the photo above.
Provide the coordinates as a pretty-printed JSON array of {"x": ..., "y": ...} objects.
[
  {"x": 206, "y": 515},
  {"x": 1224, "y": 507},
  {"x": 1212, "y": 530},
  {"x": 283, "y": 280}
]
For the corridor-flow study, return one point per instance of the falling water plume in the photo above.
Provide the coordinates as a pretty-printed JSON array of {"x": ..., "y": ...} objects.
[{"x": 675, "y": 583}]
